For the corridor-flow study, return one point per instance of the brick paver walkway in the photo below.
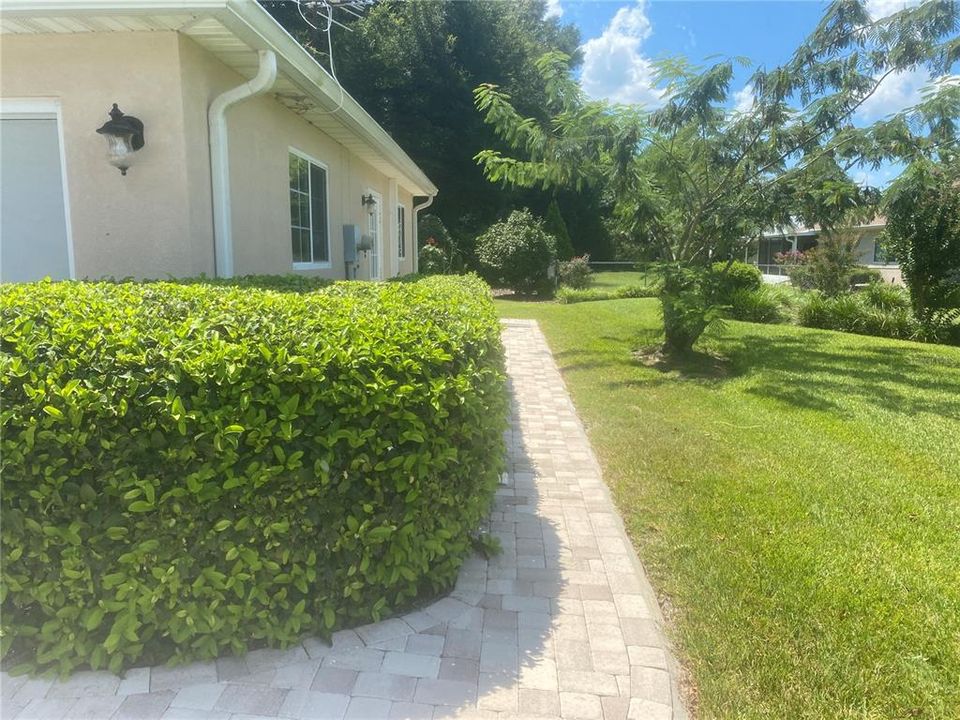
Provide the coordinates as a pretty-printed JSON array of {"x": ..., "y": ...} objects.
[{"x": 562, "y": 624}]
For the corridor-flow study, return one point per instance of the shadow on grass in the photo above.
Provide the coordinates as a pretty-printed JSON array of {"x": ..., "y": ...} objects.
[
  {"x": 815, "y": 370},
  {"x": 807, "y": 370}
]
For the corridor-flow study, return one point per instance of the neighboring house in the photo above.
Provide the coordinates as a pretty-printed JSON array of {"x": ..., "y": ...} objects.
[
  {"x": 254, "y": 158},
  {"x": 870, "y": 251}
]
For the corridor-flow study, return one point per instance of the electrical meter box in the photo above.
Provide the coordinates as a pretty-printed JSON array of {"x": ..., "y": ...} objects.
[{"x": 351, "y": 239}]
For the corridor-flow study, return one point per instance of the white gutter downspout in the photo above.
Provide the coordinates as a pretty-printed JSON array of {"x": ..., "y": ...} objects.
[
  {"x": 220, "y": 163},
  {"x": 416, "y": 230}
]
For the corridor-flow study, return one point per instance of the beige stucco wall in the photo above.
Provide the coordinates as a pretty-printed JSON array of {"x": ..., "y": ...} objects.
[
  {"x": 261, "y": 133},
  {"x": 157, "y": 220},
  {"x": 131, "y": 225}
]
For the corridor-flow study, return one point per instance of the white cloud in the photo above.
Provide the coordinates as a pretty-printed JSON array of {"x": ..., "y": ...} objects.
[
  {"x": 896, "y": 92},
  {"x": 743, "y": 99},
  {"x": 554, "y": 9},
  {"x": 614, "y": 66},
  {"x": 881, "y": 8}
]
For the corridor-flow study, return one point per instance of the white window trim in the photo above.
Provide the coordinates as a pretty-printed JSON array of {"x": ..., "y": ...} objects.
[
  {"x": 46, "y": 108},
  {"x": 402, "y": 232},
  {"x": 326, "y": 169}
]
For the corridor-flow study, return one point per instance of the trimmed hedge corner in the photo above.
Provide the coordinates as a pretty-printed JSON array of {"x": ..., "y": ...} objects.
[{"x": 190, "y": 470}]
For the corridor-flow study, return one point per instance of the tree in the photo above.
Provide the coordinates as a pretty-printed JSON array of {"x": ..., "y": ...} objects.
[
  {"x": 554, "y": 224},
  {"x": 923, "y": 233},
  {"x": 693, "y": 179}
]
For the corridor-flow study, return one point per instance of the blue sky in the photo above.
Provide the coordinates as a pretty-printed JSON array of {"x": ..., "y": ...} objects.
[{"x": 621, "y": 38}]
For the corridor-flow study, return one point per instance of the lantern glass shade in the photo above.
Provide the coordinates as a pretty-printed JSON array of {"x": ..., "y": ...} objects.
[
  {"x": 124, "y": 136},
  {"x": 120, "y": 151}
]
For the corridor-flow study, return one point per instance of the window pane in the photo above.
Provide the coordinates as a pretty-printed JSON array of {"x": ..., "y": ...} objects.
[
  {"x": 401, "y": 229},
  {"x": 302, "y": 171},
  {"x": 318, "y": 202},
  {"x": 294, "y": 208},
  {"x": 304, "y": 212},
  {"x": 297, "y": 254}
]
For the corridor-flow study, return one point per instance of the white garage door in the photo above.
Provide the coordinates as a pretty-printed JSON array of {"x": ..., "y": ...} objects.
[{"x": 34, "y": 237}]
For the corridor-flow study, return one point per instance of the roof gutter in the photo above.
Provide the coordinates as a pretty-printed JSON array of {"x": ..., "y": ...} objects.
[
  {"x": 219, "y": 160},
  {"x": 416, "y": 230}
]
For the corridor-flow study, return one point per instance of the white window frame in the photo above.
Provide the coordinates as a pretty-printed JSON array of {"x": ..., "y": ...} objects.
[
  {"x": 401, "y": 232},
  {"x": 45, "y": 108},
  {"x": 325, "y": 265}
]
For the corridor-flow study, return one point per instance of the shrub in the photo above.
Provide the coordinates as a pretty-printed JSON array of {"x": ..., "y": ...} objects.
[
  {"x": 518, "y": 253},
  {"x": 760, "y": 306},
  {"x": 575, "y": 273},
  {"x": 432, "y": 261},
  {"x": 856, "y": 313},
  {"x": 555, "y": 225},
  {"x": 923, "y": 234},
  {"x": 568, "y": 296},
  {"x": 886, "y": 297},
  {"x": 843, "y": 312},
  {"x": 724, "y": 279},
  {"x": 432, "y": 231},
  {"x": 278, "y": 283},
  {"x": 638, "y": 291},
  {"x": 190, "y": 470},
  {"x": 831, "y": 267},
  {"x": 687, "y": 307}
]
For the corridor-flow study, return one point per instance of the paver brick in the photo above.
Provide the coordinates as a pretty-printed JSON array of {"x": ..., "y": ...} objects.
[
  {"x": 580, "y": 706},
  {"x": 143, "y": 706},
  {"x": 312, "y": 705},
  {"x": 422, "y": 666},
  {"x": 539, "y": 702},
  {"x": 251, "y": 699},
  {"x": 445, "y": 692},
  {"x": 650, "y": 684},
  {"x": 337, "y": 681},
  {"x": 386, "y": 686},
  {"x": 361, "y": 708}
]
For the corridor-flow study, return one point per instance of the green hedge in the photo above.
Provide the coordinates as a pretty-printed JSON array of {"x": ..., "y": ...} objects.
[
  {"x": 190, "y": 470},
  {"x": 568, "y": 296}
]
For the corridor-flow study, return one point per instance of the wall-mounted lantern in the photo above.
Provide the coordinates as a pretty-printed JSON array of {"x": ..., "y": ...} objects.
[
  {"x": 124, "y": 136},
  {"x": 368, "y": 201}
]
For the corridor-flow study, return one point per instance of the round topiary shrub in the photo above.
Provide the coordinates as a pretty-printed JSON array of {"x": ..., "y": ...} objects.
[
  {"x": 518, "y": 254},
  {"x": 196, "y": 470},
  {"x": 724, "y": 279}
]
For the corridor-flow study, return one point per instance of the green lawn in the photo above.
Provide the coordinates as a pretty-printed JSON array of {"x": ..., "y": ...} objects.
[
  {"x": 608, "y": 280},
  {"x": 799, "y": 506}
]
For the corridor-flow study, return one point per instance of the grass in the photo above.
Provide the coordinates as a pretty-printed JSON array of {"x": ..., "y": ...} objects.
[
  {"x": 609, "y": 280},
  {"x": 797, "y": 505}
]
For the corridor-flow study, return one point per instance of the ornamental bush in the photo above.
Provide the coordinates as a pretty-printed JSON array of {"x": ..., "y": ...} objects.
[
  {"x": 191, "y": 470},
  {"x": 724, "y": 279},
  {"x": 518, "y": 253},
  {"x": 762, "y": 305},
  {"x": 575, "y": 273}
]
